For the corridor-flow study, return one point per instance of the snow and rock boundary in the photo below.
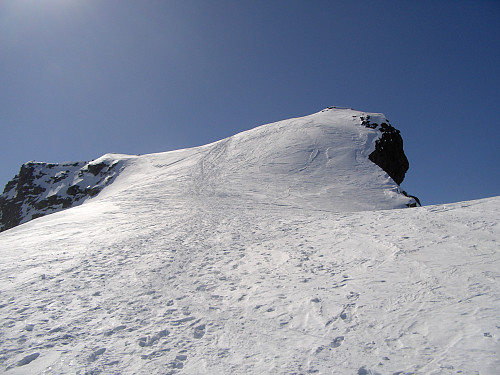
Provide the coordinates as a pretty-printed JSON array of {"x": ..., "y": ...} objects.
[
  {"x": 321, "y": 161},
  {"x": 44, "y": 188}
]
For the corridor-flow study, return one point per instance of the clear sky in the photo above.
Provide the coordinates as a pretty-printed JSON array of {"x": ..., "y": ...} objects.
[{"x": 81, "y": 78}]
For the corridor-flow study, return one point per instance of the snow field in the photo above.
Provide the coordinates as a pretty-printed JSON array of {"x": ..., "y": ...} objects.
[
  {"x": 256, "y": 291},
  {"x": 276, "y": 251}
]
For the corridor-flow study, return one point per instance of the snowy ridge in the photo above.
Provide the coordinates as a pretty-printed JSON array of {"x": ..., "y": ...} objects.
[{"x": 320, "y": 161}]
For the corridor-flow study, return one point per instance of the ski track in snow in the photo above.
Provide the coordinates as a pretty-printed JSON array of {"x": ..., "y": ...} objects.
[{"x": 183, "y": 267}]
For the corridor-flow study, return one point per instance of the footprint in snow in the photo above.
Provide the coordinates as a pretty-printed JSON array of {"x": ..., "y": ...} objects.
[
  {"x": 181, "y": 357},
  {"x": 336, "y": 342},
  {"x": 183, "y": 320},
  {"x": 199, "y": 331},
  {"x": 347, "y": 313},
  {"x": 364, "y": 371},
  {"x": 151, "y": 340},
  {"x": 352, "y": 296},
  {"x": 28, "y": 359},
  {"x": 96, "y": 354},
  {"x": 114, "y": 330}
]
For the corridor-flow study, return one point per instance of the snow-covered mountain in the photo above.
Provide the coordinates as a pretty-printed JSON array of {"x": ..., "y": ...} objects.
[
  {"x": 275, "y": 251},
  {"x": 322, "y": 161}
]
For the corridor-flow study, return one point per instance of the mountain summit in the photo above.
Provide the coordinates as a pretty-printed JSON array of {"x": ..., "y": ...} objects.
[
  {"x": 274, "y": 251},
  {"x": 338, "y": 160}
]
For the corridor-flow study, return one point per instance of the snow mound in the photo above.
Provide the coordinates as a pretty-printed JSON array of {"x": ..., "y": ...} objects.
[{"x": 320, "y": 162}]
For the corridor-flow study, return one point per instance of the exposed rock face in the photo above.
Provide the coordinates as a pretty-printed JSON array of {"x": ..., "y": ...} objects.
[
  {"x": 388, "y": 154},
  {"x": 43, "y": 188}
]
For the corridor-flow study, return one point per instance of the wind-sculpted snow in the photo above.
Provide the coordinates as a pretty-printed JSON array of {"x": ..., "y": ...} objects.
[
  {"x": 192, "y": 287},
  {"x": 318, "y": 162},
  {"x": 321, "y": 161}
]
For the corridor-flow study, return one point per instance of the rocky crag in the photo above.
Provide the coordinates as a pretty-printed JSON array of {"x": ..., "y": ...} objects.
[
  {"x": 43, "y": 188},
  {"x": 389, "y": 154}
]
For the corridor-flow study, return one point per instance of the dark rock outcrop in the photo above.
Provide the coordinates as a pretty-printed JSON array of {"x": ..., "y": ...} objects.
[
  {"x": 416, "y": 201},
  {"x": 43, "y": 188},
  {"x": 389, "y": 154}
]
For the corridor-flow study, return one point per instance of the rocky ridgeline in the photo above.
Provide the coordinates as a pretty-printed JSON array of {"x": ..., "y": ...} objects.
[{"x": 43, "y": 188}]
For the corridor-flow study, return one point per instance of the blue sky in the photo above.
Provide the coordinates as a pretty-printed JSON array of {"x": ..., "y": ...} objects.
[{"x": 81, "y": 78}]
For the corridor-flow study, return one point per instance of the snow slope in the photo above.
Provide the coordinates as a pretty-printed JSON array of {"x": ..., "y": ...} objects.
[
  {"x": 206, "y": 261},
  {"x": 318, "y": 161}
]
